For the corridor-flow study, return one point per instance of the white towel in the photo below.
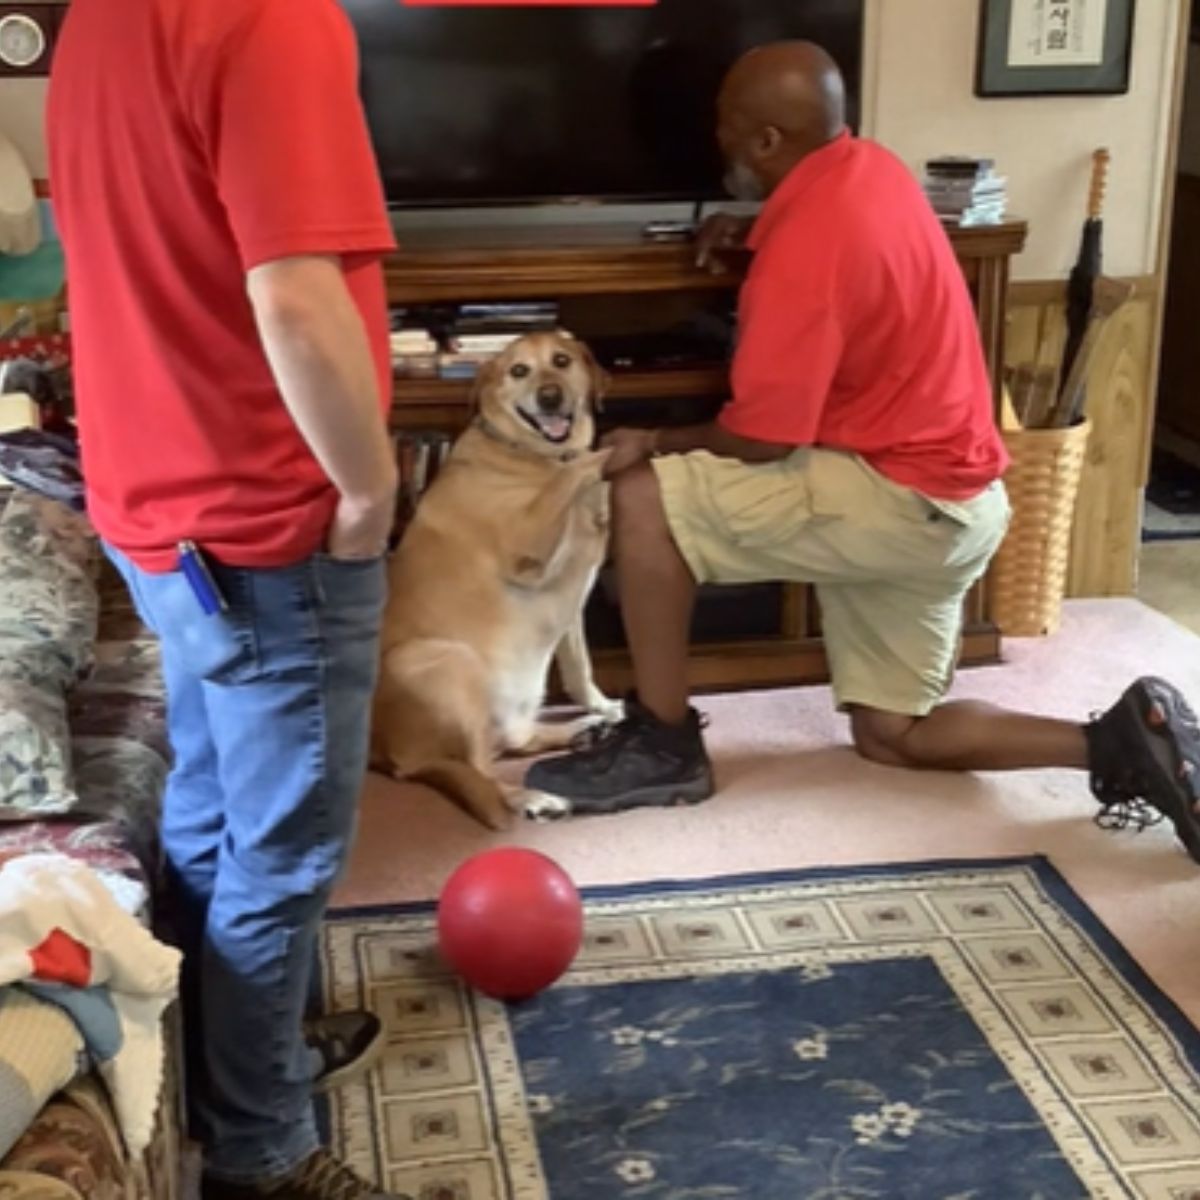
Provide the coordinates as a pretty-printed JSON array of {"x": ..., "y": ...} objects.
[{"x": 64, "y": 937}]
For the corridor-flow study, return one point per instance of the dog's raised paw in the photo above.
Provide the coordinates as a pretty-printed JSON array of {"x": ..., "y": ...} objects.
[{"x": 543, "y": 807}]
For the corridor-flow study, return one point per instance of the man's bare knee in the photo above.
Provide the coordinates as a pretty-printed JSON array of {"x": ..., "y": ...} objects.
[
  {"x": 637, "y": 505},
  {"x": 879, "y": 737},
  {"x": 634, "y": 488}
]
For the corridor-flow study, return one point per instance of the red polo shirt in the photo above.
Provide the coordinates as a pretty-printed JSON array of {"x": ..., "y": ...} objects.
[
  {"x": 857, "y": 331},
  {"x": 192, "y": 140}
]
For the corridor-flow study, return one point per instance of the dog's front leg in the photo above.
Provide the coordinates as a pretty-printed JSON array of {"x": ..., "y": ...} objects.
[
  {"x": 544, "y": 737},
  {"x": 575, "y": 670},
  {"x": 532, "y": 543},
  {"x": 536, "y": 806}
]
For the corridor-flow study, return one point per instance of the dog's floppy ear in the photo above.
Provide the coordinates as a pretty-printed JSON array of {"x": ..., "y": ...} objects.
[
  {"x": 600, "y": 379},
  {"x": 485, "y": 378}
]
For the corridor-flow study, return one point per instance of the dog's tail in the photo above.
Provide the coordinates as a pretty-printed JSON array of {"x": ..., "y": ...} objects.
[{"x": 472, "y": 790}]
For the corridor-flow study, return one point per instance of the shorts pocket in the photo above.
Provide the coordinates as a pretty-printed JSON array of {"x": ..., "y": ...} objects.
[{"x": 763, "y": 506}]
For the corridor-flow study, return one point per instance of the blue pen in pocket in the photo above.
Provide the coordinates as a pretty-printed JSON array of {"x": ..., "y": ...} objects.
[{"x": 195, "y": 571}]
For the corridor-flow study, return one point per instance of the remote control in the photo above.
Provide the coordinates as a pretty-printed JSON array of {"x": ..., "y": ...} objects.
[{"x": 669, "y": 231}]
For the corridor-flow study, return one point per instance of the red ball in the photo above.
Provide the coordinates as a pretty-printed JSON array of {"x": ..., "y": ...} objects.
[{"x": 510, "y": 922}]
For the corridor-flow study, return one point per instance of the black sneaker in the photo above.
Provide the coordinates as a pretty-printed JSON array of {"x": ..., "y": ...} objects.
[
  {"x": 637, "y": 763},
  {"x": 1144, "y": 759},
  {"x": 319, "y": 1177},
  {"x": 344, "y": 1045}
]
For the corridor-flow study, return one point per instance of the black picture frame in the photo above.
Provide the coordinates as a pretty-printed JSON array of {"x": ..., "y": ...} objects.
[{"x": 994, "y": 77}]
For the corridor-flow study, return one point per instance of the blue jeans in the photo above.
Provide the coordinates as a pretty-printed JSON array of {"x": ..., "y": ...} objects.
[{"x": 268, "y": 710}]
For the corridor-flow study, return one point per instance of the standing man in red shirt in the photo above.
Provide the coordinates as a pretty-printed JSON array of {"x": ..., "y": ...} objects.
[
  {"x": 224, "y": 226},
  {"x": 859, "y": 453}
]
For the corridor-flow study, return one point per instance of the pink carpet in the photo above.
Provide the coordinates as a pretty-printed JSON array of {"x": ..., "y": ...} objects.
[{"x": 792, "y": 794}]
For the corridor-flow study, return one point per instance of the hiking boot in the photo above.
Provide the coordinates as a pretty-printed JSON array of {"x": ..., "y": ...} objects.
[
  {"x": 344, "y": 1045},
  {"x": 1144, "y": 760},
  {"x": 638, "y": 763},
  {"x": 318, "y": 1177}
]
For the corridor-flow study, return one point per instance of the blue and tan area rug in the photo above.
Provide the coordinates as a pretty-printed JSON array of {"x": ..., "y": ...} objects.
[{"x": 942, "y": 1031}]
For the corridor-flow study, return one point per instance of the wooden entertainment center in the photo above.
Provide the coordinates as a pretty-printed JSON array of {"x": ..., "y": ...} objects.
[{"x": 608, "y": 277}]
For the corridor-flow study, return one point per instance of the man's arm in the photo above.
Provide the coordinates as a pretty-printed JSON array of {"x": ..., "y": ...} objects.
[
  {"x": 787, "y": 357},
  {"x": 716, "y": 439},
  {"x": 632, "y": 446},
  {"x": 316, "y": 343}
]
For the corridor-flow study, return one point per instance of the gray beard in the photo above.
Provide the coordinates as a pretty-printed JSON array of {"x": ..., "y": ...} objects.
[{"x": 742, "y": 183}]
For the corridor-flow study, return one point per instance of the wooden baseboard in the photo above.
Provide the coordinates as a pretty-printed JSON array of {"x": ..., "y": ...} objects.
[{"x": 746, "y": 666}]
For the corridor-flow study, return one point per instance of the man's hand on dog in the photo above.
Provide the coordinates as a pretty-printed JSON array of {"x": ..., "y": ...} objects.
[{"x": 629, "y": 447}]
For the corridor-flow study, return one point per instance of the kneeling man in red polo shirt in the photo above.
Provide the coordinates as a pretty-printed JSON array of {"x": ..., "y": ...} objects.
[{"x": 858, "y": 453}]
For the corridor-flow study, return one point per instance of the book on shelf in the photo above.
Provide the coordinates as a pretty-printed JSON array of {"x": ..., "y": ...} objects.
[
  {"x": 415, "y": 366},
  {"x": 481, "y": 343},
  {"x": 955, "y": 193},
  {"x": 466, "y": 353},
  {"x": 998, "y": 204},
  {"x": 965, "y": 191},
  {"x": 412, "y": 340},
  {"x": 959, "y": 166},
  {"x": 461, "y": 366},
  {"x": 500, "y": 328},
  {"x": 445, "y": 320},
  {"x": 500, "y": 318},
  {"x": 414, "y": 354},
  {"x": 971, "y": 218},
  {"x": 509, "y": 308},
  {"x": 420, "y": 455}
]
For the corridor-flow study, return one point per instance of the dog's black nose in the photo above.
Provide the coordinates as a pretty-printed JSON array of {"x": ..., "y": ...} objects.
[{"x": 550, "y": 397}]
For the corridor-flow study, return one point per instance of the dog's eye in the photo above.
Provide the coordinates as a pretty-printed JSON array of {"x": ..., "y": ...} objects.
[
  {"x": 562, "y": 361},
  {"x": 519, "y": 370}
]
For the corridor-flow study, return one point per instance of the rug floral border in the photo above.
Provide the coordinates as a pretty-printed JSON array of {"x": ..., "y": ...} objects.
[{"x": 1112, "y": 1067}]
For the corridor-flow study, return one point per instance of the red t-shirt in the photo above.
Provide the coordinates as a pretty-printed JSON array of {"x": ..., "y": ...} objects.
[
  {"x": 857, "y": 331},
  {"x": 191, "y": 140}
]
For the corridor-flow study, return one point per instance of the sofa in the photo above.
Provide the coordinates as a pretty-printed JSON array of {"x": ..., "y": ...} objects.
[{"x": 83, "y": 760}]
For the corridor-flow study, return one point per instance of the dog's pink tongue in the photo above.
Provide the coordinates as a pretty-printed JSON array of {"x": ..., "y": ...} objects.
[{"x": 556, "y": 427}]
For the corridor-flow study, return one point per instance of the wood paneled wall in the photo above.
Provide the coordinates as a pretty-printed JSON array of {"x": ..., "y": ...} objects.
[{"x": 1120, "y": 388}]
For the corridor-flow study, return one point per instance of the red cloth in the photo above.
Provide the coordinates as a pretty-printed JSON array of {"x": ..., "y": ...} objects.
[
  {"x": 192, "y": 140},
  {"x": 60, "y": 958},
  {"x": 857, "y": 329}
]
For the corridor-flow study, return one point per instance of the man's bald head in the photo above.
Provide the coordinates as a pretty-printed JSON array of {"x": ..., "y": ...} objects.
[{"x": 778, "y": 104}]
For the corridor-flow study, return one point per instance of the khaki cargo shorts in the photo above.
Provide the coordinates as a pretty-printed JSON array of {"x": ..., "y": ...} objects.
[{"x": 891, "y": 567}]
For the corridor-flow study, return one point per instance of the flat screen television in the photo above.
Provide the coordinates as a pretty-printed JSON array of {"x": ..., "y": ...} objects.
[{"x": 504, "y": 105}]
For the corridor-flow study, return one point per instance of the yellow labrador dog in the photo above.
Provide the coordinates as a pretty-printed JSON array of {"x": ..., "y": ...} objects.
[{"x": 489, "y": 583}]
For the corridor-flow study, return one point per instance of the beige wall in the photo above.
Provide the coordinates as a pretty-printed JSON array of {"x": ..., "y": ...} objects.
[
  {"x": 919, "y": 100},
  {"x": 22, "y": 104}
]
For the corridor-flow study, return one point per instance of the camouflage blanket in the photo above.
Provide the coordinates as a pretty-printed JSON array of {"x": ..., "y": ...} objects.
[
  {"x": 48, "y": 622},
  {"x": 82, "y": 723}
]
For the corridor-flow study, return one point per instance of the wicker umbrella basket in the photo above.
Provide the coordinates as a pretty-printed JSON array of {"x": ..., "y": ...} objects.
[{"x": 1029, "y": 572}]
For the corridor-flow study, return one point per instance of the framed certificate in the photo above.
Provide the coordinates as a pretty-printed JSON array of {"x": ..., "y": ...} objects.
[{"x": 1054, "y": 47}]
